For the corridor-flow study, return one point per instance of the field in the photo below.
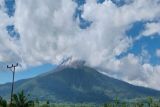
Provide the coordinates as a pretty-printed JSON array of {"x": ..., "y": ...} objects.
[{"x": 21, "y": 100}]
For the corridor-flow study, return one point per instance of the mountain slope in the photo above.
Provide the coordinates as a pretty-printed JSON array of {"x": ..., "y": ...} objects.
[{"x": 78, "y": 84}]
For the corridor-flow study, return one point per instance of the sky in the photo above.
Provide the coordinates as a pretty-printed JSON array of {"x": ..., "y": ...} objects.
[{"x": 121, "y": 38}]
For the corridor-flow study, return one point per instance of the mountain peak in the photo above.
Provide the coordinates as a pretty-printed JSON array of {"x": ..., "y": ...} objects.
[
  {"x": 77, "y": 63},
  {"x": 78, "y": 83},
  {"x": 70, "y": 62}
]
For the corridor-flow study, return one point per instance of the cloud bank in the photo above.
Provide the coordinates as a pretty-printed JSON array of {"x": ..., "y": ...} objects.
[
  {"x": 49, "y": 33},
  {"x": 151, "y": 29}
]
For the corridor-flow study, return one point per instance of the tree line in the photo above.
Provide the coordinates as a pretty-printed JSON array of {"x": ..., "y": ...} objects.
[{"x": 22, "y": 100}]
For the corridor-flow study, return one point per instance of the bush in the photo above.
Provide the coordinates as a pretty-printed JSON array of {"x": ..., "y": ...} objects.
[
  {"x": 20, "y": 100},
  {"x": 3, "y": 103}
]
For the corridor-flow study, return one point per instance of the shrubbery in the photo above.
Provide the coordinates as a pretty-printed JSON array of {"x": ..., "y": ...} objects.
[
  {"x": 21, "y": 100},
  {"x": 3, "y": 103}
]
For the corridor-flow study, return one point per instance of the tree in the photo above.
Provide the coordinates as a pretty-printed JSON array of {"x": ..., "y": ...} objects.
[
  {"x": 149, "y": 101},
  {"x": 20, "y": 100},
  {"x": 3, "y": 103}
]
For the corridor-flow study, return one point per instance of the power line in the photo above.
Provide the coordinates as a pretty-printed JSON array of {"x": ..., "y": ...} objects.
[{"x": 12, "y": 68}]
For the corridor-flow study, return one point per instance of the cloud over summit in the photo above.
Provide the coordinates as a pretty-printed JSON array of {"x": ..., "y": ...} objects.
[{"x": 49, "y": 33}]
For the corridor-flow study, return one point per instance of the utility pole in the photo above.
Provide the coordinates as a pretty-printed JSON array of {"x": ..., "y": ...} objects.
[{"x": 12, "y": 68}]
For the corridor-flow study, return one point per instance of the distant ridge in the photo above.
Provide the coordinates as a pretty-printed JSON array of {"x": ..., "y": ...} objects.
[{"x": 78, "y": 83}]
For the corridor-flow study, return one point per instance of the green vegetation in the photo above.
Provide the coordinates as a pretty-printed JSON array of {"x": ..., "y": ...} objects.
[
  {"x": 3, "y": 103},
  {"x": 22, "y": 100},
  {"x": 76, "y": 85},
  {"x": 149, "y": 102}
]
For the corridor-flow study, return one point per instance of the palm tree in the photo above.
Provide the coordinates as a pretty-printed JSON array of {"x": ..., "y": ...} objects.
[
  {"x": 20, "y": 100},
  {"x": 149, "y": 101},
  {"x": 3, "y": 103}
]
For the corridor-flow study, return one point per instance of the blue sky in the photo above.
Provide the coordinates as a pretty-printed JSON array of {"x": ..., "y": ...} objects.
[
  {"x": 6, "y": 76},
  {"x": 144, "y": 45},
  {"x": 29, "y": 72},
  {"x": 150, "y": 44}
]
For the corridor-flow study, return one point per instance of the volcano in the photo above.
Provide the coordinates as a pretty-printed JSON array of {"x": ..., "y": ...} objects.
[{"x": 77, "y": 84}]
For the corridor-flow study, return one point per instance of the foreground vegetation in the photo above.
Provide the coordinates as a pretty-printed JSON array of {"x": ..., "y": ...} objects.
[{"x": 21, "y": 100}]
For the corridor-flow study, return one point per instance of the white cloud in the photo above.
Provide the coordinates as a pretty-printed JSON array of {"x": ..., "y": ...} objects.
[
  {"x": 52, "y": 33},
  {"x": 44, "y": 26},
  {"x": 153, "y": 73},
  {"x": 151, "y": 28},
  {"x": 158, "y": 52},
  {"x": 1, "y": 4},
  {"x": 48, "y": 27},
  {"x": 112, "y": 24},
  {"x": 7, "y": 45},
  {"x": 49, "y": 33},
  {"x": 131, "y": 69}
]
